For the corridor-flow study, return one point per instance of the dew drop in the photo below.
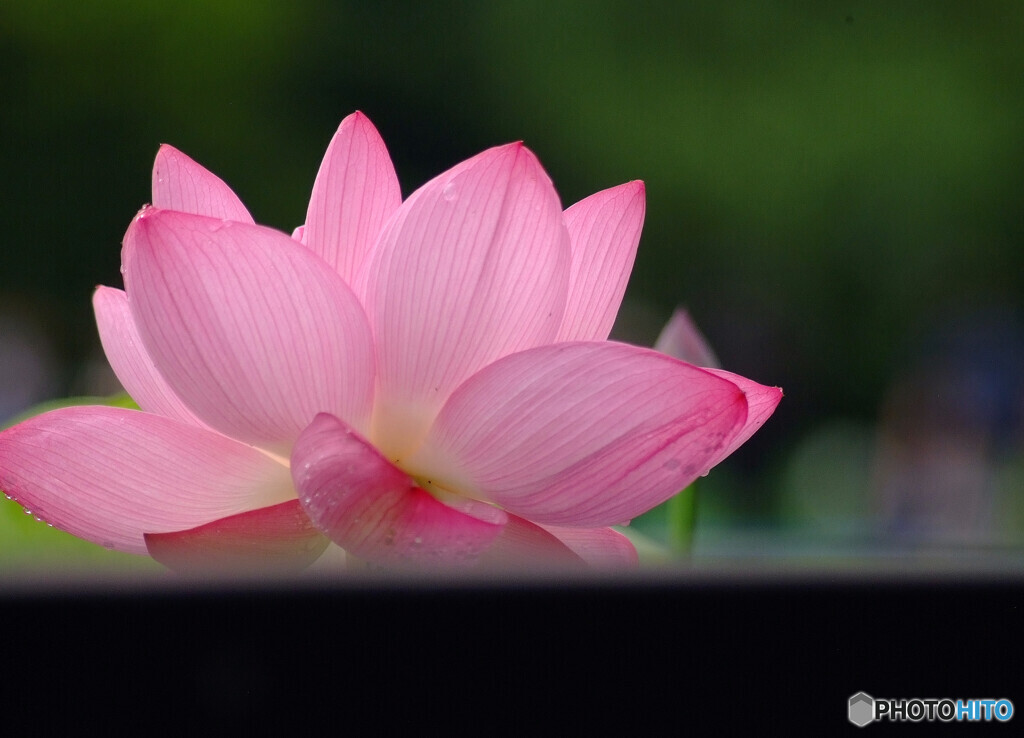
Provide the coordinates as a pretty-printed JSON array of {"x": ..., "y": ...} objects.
[{"x": 449, "y": 193}]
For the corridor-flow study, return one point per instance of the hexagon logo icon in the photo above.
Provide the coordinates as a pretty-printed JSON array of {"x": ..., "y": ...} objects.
[{"x": 862, "y": 709}]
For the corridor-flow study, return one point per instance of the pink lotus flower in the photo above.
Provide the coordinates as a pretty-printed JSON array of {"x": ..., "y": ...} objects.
[{"x": 419, "y": 381}]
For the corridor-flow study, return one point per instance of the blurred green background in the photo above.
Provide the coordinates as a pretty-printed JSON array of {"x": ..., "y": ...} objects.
[{"x": 835, "y": 192}]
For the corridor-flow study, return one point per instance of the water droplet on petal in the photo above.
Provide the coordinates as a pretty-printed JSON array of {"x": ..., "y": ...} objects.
[{"x": 449, "y": 193}]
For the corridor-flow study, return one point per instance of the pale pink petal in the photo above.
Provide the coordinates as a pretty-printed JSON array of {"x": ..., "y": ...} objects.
[
  {"x": 681, "y": 338},
  {"x": 179, "y": 183},
  {"x": 580, "y": 434},
  {"x": 252, "y": 330},
  {"x": 374, "y": 510},
  {"x": 473, "y": 266},
  {"x": 355, "y": 192},
  {"x": 601, "y": 548},
  {"x": 604, "y": 230},
  {"x": 277, "y": 538},
  {"x": 110, "y": 475},
  {"x": 129, "y": 360},
  {"x": 761, "y": 403}
]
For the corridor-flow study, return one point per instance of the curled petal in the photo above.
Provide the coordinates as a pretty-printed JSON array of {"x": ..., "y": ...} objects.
[
  {"x": 129, "y": 360},
  {"x": 472, "y": 267},
  {"x": 356, "y": 190},
  {"x": 277, "y": 538},
  {"x": 761, "y": 403},
  {"x": 110, "y": 475},
  {"x": 253, "y": 331},
  {"x": 179, "y": 183},
  {"x": 374, "y": 510},
  {"x": 604, "y": 230},
  {"x": 581, "y": 434}
]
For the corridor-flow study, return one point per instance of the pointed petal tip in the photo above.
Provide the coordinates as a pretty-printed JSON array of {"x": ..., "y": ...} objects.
[{"x": 635, "y": 187}]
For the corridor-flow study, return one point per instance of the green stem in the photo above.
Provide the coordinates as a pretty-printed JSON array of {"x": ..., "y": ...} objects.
[{"x": 682, "y": 519}]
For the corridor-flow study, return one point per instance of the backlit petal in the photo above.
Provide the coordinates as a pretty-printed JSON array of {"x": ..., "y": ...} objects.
[
  {"x": 474, "y": 266},
  {"x": 604, "y": 230},
  {"x": 109, "y": 475},
  {"x": 356, "y": 190},
  {"x": 277, "y": 538},
  {"x": 251, "y": 329},
  {"x": 374, "y": 510},
  {"x": 581, "y": 434},
  {"x": 179, "y": 183},
  {"x": 129, "y": 360}
]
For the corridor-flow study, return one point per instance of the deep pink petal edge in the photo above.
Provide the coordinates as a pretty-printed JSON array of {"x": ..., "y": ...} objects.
[{"x": 374, "y": 510}]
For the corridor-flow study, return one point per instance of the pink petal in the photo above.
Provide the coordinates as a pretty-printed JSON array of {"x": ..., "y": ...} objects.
[
  {"x": 356, "y": 190},
  {"x": 253, "y": 331},
  {"x": 681, "y": 338},
  {"x": 179, "y": 183},
  {"x": 109, "y": 475},
  {"x": 129, "y": 360},
  {"x": 601, "y": 548},
  {"x": 374, "y": 510},
  {"x": 474, "y": 266},
  {"x": 761, "y": 403},
  {"x": 523, "y": 544},
  {"x": 580, "y": 434},
  {"x": 278, "y": 538},
  {"x": 604, "y": 230}
]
